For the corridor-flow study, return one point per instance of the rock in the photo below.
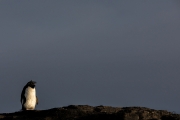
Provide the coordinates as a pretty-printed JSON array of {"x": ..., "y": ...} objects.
[{"x": 85, "y": 112}]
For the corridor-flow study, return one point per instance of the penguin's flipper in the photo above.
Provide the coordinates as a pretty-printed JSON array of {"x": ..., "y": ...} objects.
[
  {"x": 36, "y": 100},
  {"x": 22, "y": 100}
]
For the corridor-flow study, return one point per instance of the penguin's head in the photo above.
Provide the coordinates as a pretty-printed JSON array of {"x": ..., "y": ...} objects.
[{"x": 31, "y": 84}]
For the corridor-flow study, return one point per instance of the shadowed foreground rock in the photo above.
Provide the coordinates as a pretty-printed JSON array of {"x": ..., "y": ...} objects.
[{"x": 85, "y": 112}]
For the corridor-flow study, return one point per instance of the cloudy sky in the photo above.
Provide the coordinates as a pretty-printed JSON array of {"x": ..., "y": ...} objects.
[{"x": 108, "y": 52}]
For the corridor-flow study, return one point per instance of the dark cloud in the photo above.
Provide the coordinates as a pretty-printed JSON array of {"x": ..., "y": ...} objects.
[{"x": 97, "y": 53}]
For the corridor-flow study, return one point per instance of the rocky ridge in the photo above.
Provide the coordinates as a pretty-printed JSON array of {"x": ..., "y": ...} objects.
[{"x": 85, "y": 112}]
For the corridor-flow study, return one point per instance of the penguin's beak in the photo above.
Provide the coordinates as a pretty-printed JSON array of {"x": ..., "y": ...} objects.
[{"x": 34, "y": 82}]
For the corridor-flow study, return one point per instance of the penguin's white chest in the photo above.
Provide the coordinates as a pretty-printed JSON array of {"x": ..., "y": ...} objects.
[{"x": 30, "y": 95}]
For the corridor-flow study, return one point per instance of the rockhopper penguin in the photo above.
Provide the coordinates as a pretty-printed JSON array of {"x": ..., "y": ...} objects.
[{"x": 28, "y": 96}]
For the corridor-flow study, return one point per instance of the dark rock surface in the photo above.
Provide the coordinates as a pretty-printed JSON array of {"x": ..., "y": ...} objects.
[{"x": 85, "y": 112}]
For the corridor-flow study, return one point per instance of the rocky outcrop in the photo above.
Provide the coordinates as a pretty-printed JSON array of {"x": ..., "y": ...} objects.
[{"x": 85, "y": 112}]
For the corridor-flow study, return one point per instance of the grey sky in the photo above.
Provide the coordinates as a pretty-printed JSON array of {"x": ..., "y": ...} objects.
[{"x": 110, "y": 52}]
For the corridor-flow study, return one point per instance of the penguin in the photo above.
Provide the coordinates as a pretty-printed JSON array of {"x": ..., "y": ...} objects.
[{"x": 29, "y": 99}]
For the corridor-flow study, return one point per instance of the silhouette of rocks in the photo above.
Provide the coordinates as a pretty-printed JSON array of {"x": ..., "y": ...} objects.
[{"x": 85, "y": 112}]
